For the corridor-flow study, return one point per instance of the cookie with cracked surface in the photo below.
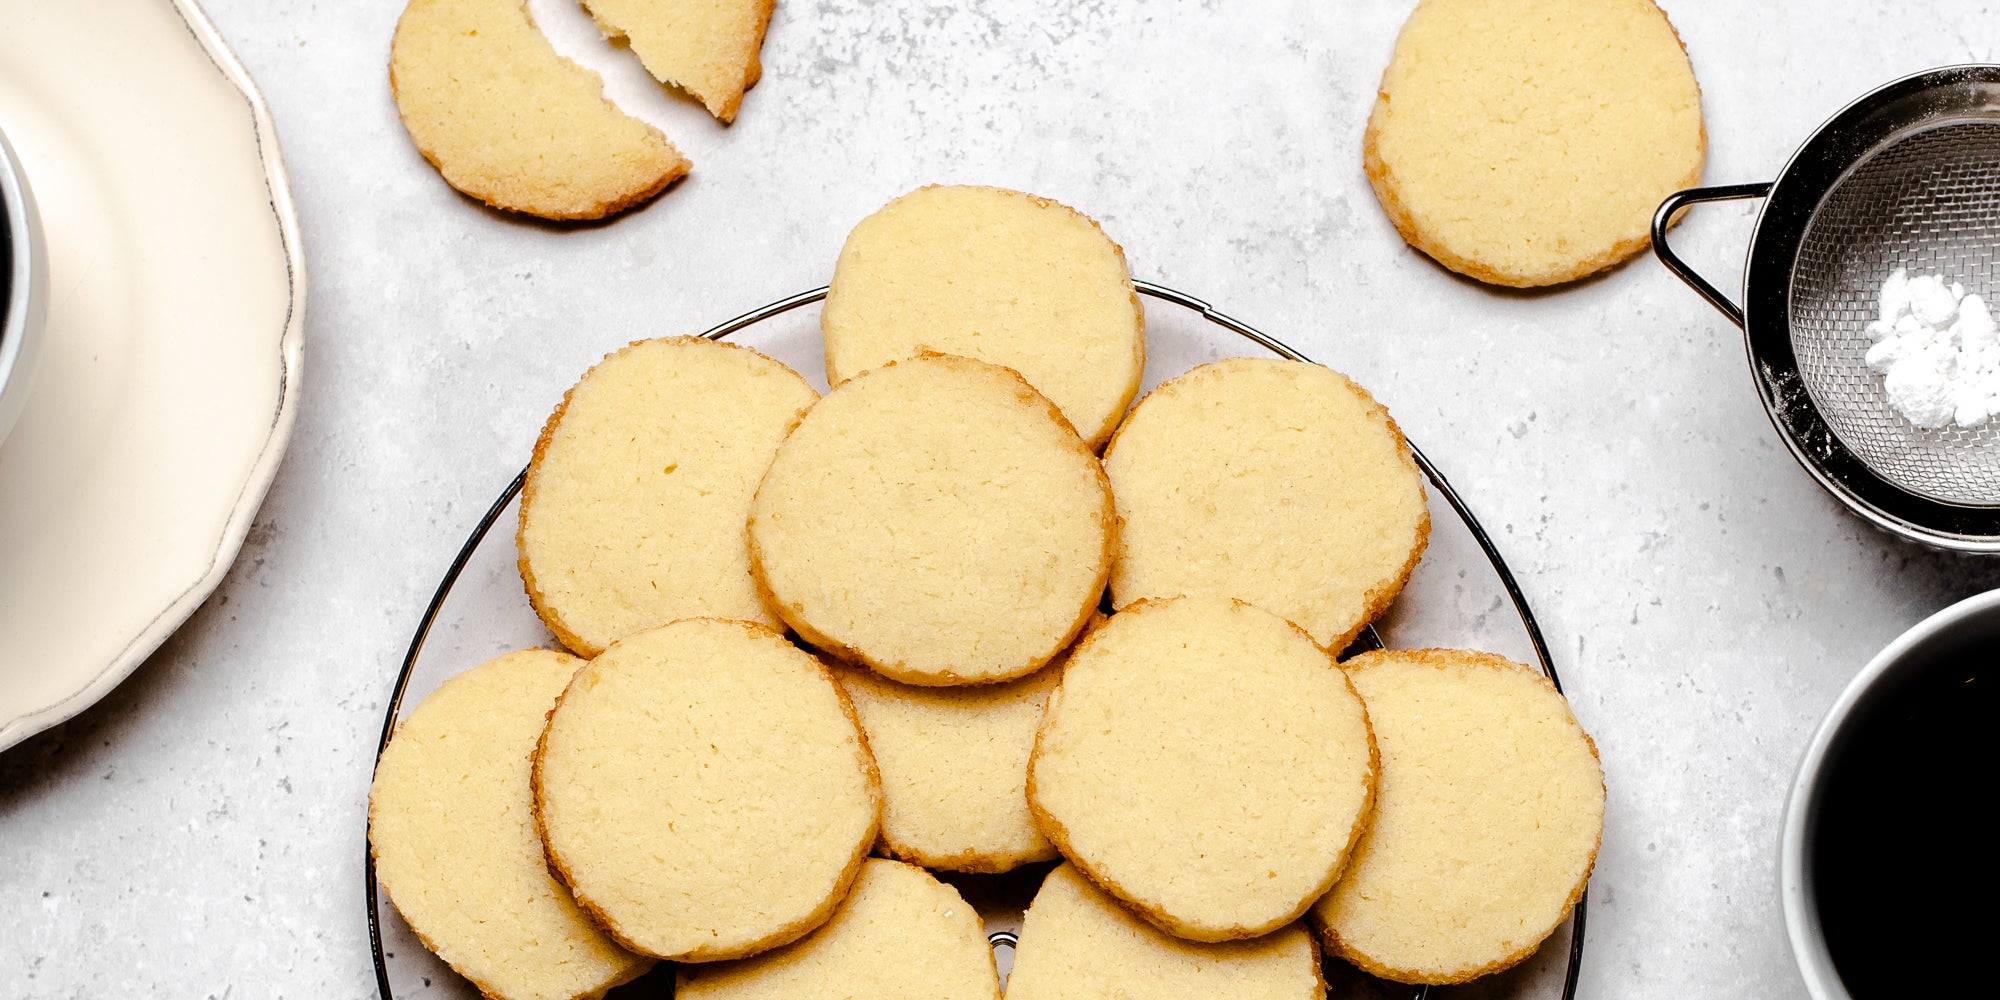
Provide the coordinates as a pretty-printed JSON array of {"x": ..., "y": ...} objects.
[
  {"x": 508, "y": 121},
  {"x": 706, "y": 47}
]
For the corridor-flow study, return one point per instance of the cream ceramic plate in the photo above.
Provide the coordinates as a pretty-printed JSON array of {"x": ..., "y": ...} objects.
[{"x": 170, "y": 369}]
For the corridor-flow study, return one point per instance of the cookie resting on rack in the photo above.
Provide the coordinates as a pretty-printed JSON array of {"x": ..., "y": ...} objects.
[
  {"x": 1488, "y": 818},
  {"x": 633, "y": 511},
  {"x": 704, "y": 791},
  {"x": 1280, "y": 483},
  {"x": 954, "y": 766},
  {"x": 899, "y": 935},
  {"x": 451, "y": 826},
  {"x": 1078, "y": 943},
  {"x": 937, "y": 520},
  {"x": 997, "y": 275},
  {"x": 1207, "y": 763}
]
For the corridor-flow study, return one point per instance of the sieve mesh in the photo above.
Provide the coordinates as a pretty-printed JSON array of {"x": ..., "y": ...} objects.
[{"x": 1926, "y": 200}]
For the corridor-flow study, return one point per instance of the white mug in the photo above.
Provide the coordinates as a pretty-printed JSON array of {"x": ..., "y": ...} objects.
[{"x": 1922, "y": 667}]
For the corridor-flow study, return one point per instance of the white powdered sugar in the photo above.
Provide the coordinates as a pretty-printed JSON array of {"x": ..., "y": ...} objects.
[{"x": 1937, "y": 350}]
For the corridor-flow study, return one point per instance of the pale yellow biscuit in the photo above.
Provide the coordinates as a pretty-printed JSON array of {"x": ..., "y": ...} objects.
[
  {"x": 1207, "y": 763},
  {"x": 996, "y": 275},
  {"x": 634, "y": 507},
  {"x": 506, "y": 120},
  {"x": 1528, "y": 143},
  {"x": 705, "y": 792},
  {"x": 1078, "y": 944},
  {"x": 705, "y": 47},
  {"x": 1274, "y": 482},
  {"x": 954, "y": 766},
  {"x": 900, "y": 935},
  {"x": 452, "y": 828},
  {"x": 937, "y": 520},
  {"x": 1488, "y": 818}
]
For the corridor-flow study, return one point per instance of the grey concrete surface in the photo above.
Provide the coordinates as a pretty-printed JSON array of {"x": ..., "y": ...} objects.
[{"x": 199, "y": 833}]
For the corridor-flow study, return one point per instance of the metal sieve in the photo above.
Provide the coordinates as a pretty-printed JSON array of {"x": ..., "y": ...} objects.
[{"x": 1907, "y": 176}]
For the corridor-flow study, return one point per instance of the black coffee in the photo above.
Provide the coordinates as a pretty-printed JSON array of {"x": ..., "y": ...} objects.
[
  {"x": 1904, "y": 857},
  {"x": 6, "y": 267}
]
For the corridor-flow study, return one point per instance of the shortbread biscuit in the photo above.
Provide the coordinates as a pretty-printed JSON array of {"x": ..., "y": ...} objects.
[
  {"x": 452, "y": 829},
  {"x": 937, "y": 520},
  {"x": 996, "y": 275},
  {"x": 1207, "y": 763},
  {"x": 705, "y": 47},
  {"x": 506, "y": 120},
  {"x": 1528, "y": 143},
  {"x": 1078, "y": 944},
  {"x": 1274, "y": 482},
  {"x": 954, "y": 766},
  {"x": 1488, "y": 818},
  {"x": 705, "y": 792},
  {"x": 633, "y": 511},
  {"x": 900, "y": 935}
]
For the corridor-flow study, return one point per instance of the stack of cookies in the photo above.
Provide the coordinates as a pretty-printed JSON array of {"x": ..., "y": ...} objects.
[{"x": 973, "y": 610}]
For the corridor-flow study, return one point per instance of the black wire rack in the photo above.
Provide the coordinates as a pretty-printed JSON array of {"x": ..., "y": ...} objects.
[{"x": 1369, "y": 639}]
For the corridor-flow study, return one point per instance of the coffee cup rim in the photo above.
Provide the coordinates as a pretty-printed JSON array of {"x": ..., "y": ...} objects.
[{"x": 1802, "y": 924}]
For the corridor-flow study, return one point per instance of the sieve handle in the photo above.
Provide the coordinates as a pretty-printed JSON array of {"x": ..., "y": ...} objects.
[{"x": 1665, "y": 217}]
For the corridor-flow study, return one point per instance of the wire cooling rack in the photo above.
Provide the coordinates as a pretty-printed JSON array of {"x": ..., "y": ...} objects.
[{"x": 1369, "y": 638}]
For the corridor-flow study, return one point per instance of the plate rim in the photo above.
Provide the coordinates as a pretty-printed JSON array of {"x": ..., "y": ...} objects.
[{"x": 263, "y": 471}]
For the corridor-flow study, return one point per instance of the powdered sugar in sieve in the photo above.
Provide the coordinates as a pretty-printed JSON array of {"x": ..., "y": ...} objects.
[{"x": 1927, "y": 201}]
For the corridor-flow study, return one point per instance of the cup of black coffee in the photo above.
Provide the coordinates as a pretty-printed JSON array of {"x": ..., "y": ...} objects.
[
  {"x": 1888, "y": 864},
  {"x": 23, "y": 285}
]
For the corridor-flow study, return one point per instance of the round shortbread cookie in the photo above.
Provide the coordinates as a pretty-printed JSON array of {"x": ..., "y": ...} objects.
[
  {"x": 705, "y": 791},
  {"x": 506, "y": 120},
  {"x": 451, "y": 825},
  {"x": 954, "y": 766},
  {"x": 633, "y": 512},
  {"x": 935, "y": 519},
  {"x": 900, "y": 935},
  {"x": 1274, "y": 482},
  {"x": 1528, "y": 143},
  {"x": 996, "y": 275},
  {"x": 1078, "y": 944},
  {"x": 1488, "y": 817},
  {"x": 1207, "y": 763}
]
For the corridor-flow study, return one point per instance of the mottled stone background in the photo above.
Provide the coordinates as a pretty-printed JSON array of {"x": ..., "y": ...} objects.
[{"x": 199, "y": 832}]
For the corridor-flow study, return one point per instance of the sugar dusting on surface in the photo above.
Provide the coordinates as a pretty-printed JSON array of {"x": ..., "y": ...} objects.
[{"x": 1937, "y": 349}]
